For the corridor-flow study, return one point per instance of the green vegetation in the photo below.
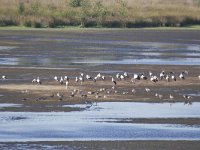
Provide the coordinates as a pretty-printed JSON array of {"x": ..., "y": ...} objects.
[{"x": 100, "y": 13}]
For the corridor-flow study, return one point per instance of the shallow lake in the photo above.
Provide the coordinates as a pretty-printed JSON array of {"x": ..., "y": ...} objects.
[
  {"x": 60, "y": 52},
  {"x": 96, "y": 123}
]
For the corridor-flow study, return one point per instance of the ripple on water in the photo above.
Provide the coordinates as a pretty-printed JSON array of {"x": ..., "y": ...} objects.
[{"x": 90, "y": 124}]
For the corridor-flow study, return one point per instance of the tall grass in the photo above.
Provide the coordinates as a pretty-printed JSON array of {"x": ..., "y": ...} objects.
[{"x": 99, "y": 13}]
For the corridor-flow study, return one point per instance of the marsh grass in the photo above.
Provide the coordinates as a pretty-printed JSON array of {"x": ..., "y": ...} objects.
[{"x": 99, "y": 13}]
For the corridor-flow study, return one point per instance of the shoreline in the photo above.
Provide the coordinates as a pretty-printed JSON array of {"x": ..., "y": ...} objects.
[{"x": 78, "y": 28}]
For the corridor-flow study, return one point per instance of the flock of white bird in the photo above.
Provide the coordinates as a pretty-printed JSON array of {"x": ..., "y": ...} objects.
[{"x": 124, "y": 76}]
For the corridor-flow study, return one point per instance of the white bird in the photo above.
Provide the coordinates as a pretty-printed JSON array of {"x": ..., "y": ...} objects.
[
  {"x": 167, "y": 78},
  {"x": 66, "y": 78},
  {"x": 61, "y": 80},
  {"x": 34, "y": 80},
  {"x": 173, "y": 77},
  {"x": 82, "y": 74},
  {"x": 4, "y": 77},
  {"x": 117, "y": 75},
  {"x": 136, "y": 76},
  {"x": 122, "y": 77},
  {"x": 88, "y": 77},
  {"x": 67, "y": 83},
  {"x": 150, "y": 73},
  {"x": 81, "y": 79},
  {"x": 76, "y": 79},
  {"x": 114, "y": 81},
  {"x": 38, "y": 80},
  {"x": 162, "y": 75},
  {"x": 126, "y": 74},
  {"x": 143, "y": 77},
  {"x": 181, "y": 76},
  {"x": 103, "y": 77},
  {"x": 133, "y": 91},
  {"x": 154, "y": 79},
  {"x": 56, "y": 78},
  {"x": 171, "y": 97},
  {"x": 98, "y": 75},
  {"x": 199, "y": 77},
  {"x": 147, "y": 90}
]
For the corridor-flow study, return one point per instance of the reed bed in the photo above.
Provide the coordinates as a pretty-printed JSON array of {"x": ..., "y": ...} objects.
[{"x": 99, "y": 13}]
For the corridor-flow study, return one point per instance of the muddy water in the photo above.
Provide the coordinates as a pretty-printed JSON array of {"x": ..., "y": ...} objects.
[
  {"x": 93, "y": 123},
  {"x": 59, "y": 52}
]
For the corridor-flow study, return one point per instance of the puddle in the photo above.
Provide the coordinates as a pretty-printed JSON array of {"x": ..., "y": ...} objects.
[
  {"x": 2, "y": 105},
  {"x": 86, "y": 125}
]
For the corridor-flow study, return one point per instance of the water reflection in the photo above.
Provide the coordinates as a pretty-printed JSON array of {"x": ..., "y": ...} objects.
[{"x": 62, "y": 52}]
